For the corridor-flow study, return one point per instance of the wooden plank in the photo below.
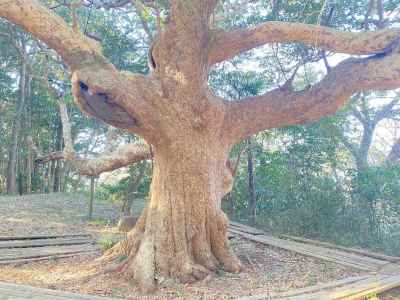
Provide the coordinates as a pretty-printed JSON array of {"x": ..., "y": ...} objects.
[
  {"x": 246, "y": 228},
  {"x": 307, "y": 290},
  {"x": 355, "y": 291},
  {"x": 329, "y": 293},
  {"x": 345, "y": 256},
  {"x": 23, "y": 253},
  {"x": 58, "y": 256},
  {"x": 44, "y": 242},
  {"x": 372, "y": 262},
  {"x": 309, "y": 250},
  {"x": 383, "y": 285},
  {"x": 353, "y": 250},
  {"x": 9, "y": 291},
  {"x": 37, "y": 237}
]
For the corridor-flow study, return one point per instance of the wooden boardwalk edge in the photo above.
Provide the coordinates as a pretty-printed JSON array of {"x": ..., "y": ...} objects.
[
  {"x": 38, "y": 237},
  {"x": 25, "y": 249},
  {"x": 389, "y": 258},
  {"x": 308, "y": 251},
  {"x": 10, "y": 291},
  {"x": 353, "y": 288}
]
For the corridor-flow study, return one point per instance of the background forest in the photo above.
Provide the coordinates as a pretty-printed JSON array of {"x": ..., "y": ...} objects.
[{"x": 335, "y": 180}]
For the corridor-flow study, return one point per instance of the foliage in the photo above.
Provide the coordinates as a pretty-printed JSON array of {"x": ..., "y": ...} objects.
[{"x": 106, "y": 242}]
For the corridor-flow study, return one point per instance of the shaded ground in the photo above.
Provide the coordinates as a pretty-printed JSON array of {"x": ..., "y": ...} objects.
[{"x": 267, "y": 269}]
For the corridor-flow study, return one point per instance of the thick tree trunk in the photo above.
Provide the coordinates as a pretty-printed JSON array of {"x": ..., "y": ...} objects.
[{"x": 183, "y": 231}]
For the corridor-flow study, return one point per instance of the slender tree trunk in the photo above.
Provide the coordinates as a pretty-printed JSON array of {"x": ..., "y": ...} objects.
[
  {"x": 13, "y": 150},
  {"x": 50, "y": 182},
  {"x": 29, "y": 164},
  {"x": 91, "y": 198},
  {"x": 57, "y": 168},
  {"x": 77, "y": 183},
  {"x": 29, "y": 161},
  {"x": 252, "y": 198},
  {"x": 131, "y": 192},
  {"x": 63, "y": 172}
]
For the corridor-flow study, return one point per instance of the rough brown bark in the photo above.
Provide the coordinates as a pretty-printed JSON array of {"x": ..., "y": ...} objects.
[{"x": 183, "y": 218}]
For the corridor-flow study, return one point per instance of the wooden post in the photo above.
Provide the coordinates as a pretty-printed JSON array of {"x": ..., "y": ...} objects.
[{"x": 90, "y": 216}]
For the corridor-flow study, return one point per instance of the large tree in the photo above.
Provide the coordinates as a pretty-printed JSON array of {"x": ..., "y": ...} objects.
[{"x": 183, "y": 232}]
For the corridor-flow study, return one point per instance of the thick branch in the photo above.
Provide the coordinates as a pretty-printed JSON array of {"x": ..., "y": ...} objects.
[
  {"x": 109, "y": 161},
  {"x": 228, "y": 44},
  {"x": 76, "y": 49},
  {"x": 387, "y": 111},
  {"x": 283, "y": 107}
]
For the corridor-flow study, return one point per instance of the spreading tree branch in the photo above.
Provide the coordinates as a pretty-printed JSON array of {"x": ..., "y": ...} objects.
[
  {"x": 387, "y": 110},
  {"x": 108, "y": 161},
  {"x": 228, "y": 44},
  {"x": 278, "y": 108},
  {"x": 76, "y": 49}
]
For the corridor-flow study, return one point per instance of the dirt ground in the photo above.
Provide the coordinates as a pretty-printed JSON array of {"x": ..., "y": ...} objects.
[{"x": 266, "y": 269}]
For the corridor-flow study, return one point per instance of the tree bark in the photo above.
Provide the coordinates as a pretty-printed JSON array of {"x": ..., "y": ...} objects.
[
  {"x": 91, "y": 198},
  {"x": 250, "y": 173},
  {"x": 183, "y": 231},
  {"x": 131, "y": 192}
]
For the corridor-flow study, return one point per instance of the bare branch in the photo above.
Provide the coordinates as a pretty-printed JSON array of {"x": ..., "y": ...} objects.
[
  {"x": 228, "y": 44},
  {"x": 279, "y": 108},
  {"x": 387, "y": 111},
  {"x": 108, "y": 161}
]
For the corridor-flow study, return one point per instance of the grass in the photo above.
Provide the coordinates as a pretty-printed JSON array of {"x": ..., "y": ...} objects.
[{"x": 107, "y": 241}]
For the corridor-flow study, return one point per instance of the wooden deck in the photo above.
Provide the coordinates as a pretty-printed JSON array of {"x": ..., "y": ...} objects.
[
  {"x": 23, "y": 249},
  {"x": 343, "y": 256},
  {"x": 10, "y": 291},
  {"x": 384, "y": 270}
]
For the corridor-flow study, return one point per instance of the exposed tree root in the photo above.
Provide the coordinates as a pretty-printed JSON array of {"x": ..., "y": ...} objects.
[{"x": 146, "y": 265}]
